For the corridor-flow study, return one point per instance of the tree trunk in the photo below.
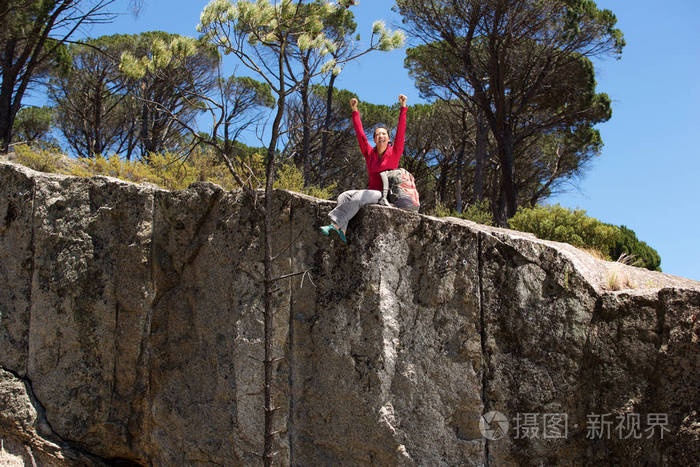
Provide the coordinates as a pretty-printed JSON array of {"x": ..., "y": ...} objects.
[
  {"x": 500, "y": 214},
  {"x": 99, "y": 140},
  {"x": 144, "y": 126},
  {"x": 7, "y": 117},
  {"x": 443, "y": 183},
  {"x": 327, "y": 124},
  {"x": 496, "y": 195},
  {"x": 511, "y": 190},
  {"x": 508, "y": 189},
  {"x": 482, "y": 132},
  {"x": 306, "y": 133},
  {"x": 6, "y": 122},
  {"x": 269, "y": 312},
  {"x": 269, "y": 279},
  {"x": 460, "y": 174}
]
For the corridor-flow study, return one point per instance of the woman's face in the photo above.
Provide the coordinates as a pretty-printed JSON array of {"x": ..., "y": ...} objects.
[{"x": 381, "y": 136}]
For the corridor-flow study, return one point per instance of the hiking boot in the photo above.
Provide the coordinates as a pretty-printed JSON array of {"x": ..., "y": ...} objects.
[{"x": 327, "y": 229}]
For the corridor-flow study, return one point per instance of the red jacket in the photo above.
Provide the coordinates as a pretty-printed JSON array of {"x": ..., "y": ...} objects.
[{"x": 390, "y": 159}]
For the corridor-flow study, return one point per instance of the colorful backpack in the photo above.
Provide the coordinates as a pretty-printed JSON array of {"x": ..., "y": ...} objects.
[{"x": 402, "y": 190}]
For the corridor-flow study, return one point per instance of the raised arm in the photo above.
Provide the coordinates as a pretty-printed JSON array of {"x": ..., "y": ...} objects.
[
  {"x": 359, "y": 131},
  {"x": 401, "y": 129}
]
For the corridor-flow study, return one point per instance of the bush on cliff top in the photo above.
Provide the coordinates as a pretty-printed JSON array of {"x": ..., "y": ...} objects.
[
  {"x": 290, "y": 177},
  {"x": 167, "y": 170},
  {"x": 575, "y": 227},
  {"x": 627, "y": 243},
  {"x": 565, "y": 225},
  {"x": 43, "y": 160},
  {"x": 477, "y": 212}
]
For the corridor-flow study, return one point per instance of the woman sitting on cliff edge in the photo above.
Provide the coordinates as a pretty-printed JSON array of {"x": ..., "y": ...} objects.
[{"x": 383, "y": 156}]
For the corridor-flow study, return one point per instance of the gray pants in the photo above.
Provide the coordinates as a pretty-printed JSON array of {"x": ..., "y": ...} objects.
[{"x": 349, "y": 202}]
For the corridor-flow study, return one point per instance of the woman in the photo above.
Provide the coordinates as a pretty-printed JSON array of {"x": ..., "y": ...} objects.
[{"x": 383, "y": 156}]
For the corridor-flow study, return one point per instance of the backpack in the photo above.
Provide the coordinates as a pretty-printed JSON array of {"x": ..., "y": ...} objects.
[{"x": 402, "y": 190}]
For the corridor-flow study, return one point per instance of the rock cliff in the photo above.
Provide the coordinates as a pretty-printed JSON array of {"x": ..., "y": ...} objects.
[{"x": 130, "y": 334}]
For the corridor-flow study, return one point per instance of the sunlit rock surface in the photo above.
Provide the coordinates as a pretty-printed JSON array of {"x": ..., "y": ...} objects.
[{"x": 131, "y": 334}]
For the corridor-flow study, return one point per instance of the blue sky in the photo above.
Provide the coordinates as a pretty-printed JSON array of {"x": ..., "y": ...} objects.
[{"x": 647, "y": 175}]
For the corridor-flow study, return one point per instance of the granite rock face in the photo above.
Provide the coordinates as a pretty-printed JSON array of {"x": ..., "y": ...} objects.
[{"x": 131, "y": 334}]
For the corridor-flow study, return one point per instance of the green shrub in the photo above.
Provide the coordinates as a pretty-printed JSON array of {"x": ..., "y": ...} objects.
[
  {"x": 574, "y": 227},
  {"x": 43, "y": 160},
  {"x": 171, "y": 171},
  {"x": 478, "y": 212},
  {"x": 175, "y": 173},
  {"x": 289, "y": 177},
  {"x": 626, "y": 243},
  {"x": 113, "y": 166},
  {"x": 441, "y": 210},
  {"x": 566, "y": 225},
  {"x": 167, "y": 170}
]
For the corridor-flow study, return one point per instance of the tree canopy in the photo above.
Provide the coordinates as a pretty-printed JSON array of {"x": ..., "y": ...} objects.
[
  {"x": 33, "y": 125},
  {"x": 512, "y": 60},
  {"x": 32, "y": 38}
]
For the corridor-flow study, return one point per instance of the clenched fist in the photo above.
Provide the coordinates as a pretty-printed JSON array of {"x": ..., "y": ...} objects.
[
  {"x": 353, "y": 104},
  {"x": 402, "y": 100}
]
